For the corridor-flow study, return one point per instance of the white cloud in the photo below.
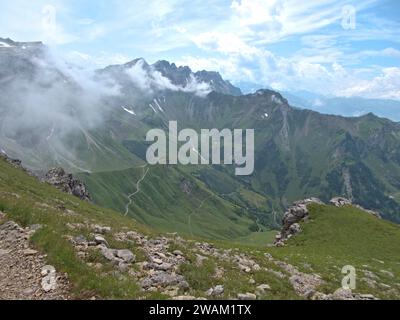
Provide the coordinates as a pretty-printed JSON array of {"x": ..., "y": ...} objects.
[
  {"x": 317, "y": 63},
  {"x": 385, "y": 86},
  {"x": 252, "y": 12},
  {"x": 53, "y": 101},
  {"x": 287, "y": 74},
  {"x": 100, "y": 60},
  {"x": 272, "y": 21},
  {"x": 230, "y": 67},
  {"x": 36, "y": 20},
  {"x": 238, "y": 45},
  {"x": 148, "y": 80},
  {"x": 139, "y": 76},
  {"x": 387, "y": 52},
  {"x": 224, "y": 42}
]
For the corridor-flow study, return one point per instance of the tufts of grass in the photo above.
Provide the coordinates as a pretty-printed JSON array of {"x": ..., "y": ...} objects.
[{"x": 336, "y": 237}]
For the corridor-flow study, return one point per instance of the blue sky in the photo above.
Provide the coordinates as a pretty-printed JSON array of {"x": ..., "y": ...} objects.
[{"x": 288, "y": 45}]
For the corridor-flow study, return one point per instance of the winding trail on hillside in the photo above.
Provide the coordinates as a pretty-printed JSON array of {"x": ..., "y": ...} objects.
[{"x": 137, "y": 190}]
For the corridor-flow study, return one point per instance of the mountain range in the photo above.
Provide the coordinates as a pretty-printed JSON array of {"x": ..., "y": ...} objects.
[
  {"x": 344, "y": 106},
  {"x": 95, "y": 127},
  {"x": 69, "y": 248}
]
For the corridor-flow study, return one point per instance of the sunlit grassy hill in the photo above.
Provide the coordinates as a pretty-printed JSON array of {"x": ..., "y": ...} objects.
[{"x": 331, "y": 238}]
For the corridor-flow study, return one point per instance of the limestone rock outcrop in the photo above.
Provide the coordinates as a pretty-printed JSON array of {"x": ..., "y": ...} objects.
[{"x": 67, "y": 183}]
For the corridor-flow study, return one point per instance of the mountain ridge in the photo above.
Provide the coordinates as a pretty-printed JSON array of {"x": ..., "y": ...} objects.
[
  {"x": 299, "y": 153},
  {"x": 180, "y": 76}
]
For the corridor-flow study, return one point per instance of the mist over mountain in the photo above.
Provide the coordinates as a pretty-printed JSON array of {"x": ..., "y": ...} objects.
[
  {"x": 200, "y": 150},
  {"x": 45, "y": 100},
  {"x": 94, "y": 124},
  {"x": 163, "y": 75}
]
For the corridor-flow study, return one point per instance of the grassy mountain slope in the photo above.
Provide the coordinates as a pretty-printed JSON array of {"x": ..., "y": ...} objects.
[
  {"x": 301, "y": 153},
  {"x": 298, "y": 153},
  {"x": 333, "y": 237},
  {"x": 171, "y": 200}
]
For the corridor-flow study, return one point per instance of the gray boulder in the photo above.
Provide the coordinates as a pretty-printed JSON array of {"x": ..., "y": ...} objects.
[
  {"x": 215, "y": 291},
  {"x": 126, "y": 255},
  {"x": 164, "y": 279},
  {"x": 340, "y": 202},
  {"x": 290, "y": 223},
  {"x": 247, "y": 296},
  {"x": 67, "y": 183},
  {"x": 100, "y": 240},
  {"x": 107, "y": 253}
]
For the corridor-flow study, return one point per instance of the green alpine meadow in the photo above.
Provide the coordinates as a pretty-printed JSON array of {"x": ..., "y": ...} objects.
[{"x": 241, "y": 150}]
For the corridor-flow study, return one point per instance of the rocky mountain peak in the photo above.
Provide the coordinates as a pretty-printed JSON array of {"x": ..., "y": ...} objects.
[
  {"x": 270, "y": 93},
  {"x": 67, "y": 183},
  {"x": 18, "y": 58},
  {"x": 217, "y": 82},
  {"x": 9, "y": 43},
  {"x": 132, "y": 63},
  {"x": 178, "y": 75}
]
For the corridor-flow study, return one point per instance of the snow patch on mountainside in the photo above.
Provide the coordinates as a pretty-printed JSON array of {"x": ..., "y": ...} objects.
[
  {"x": 152, "y": 108},
  {"x": 129, "y": 111},
  {"x": 4, "y": 45},
  {"x": 158, "y": 105}
]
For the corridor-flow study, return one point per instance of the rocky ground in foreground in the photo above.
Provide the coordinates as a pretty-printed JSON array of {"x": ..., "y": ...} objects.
[
  {"x": 24, "y": 272},
  {"x": 55, "y": 246},
  {"x": 156, "y": 267}
]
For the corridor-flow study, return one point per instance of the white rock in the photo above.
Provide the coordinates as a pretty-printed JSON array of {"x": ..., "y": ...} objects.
[
  {"x": 46, "y": 270},
  {"x": 263, "y": 287},
  {"x": 126, "y": 255},
  {"x": 219, "y": 289},
  {"x": 184, "y": 298},
  {"x": 100, "y": 240},
  {"x": 29, "y": 252},
  {"x": 387, "y": 273},
  {"x": 178, "y": 253},
  {"x": 216, "y": 291},
  {"x": 101, "y": 229},
  {"x": 209, "y": 292},
  {"x": 247, "y": 296},
  {"x": 343, "y": 294},
  {"x": 161, "y": 255},
  {"x": 200, "y": 259},
  {"x": 4, "y": 252},
  {"x": 109, "y": 254},
  {"x": 49, "y": 280},
  {"x": 340, "y": 202},
  {"x": 256, "y": 267}
]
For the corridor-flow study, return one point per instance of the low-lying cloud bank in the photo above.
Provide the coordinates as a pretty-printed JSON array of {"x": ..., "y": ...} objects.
[
  {"x": 44, "y": 94},
  {"x": 150, "y": 80},
  {"x": 48, "y": 105}
]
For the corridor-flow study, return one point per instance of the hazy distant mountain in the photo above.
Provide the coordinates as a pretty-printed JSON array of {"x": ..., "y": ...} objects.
[
  {"x": 250, "y": 87},
  {"x": 87, "y": 126},
  {"x": 349, "y": 107},
  {"x": 343, "y": 106}
]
